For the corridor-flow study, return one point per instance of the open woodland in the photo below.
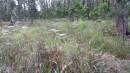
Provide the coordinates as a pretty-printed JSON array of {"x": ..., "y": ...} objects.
[{"x": 64, "y": 36}]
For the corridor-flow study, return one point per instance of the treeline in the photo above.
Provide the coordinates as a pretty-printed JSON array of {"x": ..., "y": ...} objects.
[
  {"x": 32, "y": 9},
  {"x": 18, "y": 9},
  {"x": 76, "y": 9}
]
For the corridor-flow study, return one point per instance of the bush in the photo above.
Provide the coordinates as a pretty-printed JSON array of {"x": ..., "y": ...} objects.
[{"x": 102, "y": 10}]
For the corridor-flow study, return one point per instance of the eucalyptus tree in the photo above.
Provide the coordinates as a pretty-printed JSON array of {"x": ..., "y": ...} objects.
[
  {"x": 44, "y": 8},
  {"x": 32, "y": 10},
  {"x": 1, "y": 9},
  {"x": 5, "y": 9},
  {"x": 120, "y": 8},
  {"x": 13, "y": 19},
  {"x": 21, "y": 4}
]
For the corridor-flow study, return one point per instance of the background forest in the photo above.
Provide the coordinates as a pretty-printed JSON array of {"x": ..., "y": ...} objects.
[{"x": 25, "y": 9}]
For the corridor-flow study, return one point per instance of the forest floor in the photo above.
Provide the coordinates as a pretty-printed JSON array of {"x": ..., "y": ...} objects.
[{"x": 73, "y": 47}]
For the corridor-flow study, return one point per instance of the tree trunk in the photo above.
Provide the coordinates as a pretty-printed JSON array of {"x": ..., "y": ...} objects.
[
  {"x": 120, "y": 7},
  {"x": 122, "y": 25}
]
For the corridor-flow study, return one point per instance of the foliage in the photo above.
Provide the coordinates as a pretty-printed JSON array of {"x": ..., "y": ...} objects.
[
  {"x": 78, "y": 10},
  {"x": 61, "y": 9},
  {"x": 102, "y": 10}
]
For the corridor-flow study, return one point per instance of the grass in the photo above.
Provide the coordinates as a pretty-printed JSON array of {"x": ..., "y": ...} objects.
[{"x": 60, "y": 46}]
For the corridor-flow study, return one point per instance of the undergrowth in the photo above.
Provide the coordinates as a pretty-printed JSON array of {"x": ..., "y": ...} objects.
[{"x": 60, "y": 47}]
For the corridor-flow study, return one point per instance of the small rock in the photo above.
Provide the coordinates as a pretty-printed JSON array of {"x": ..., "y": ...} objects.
[
  {"x": 53, "y": 30},
  {"x": 24, "y": 27}
]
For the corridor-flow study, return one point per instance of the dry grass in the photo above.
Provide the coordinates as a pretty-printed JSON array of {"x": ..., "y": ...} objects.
[{"x": 57, "y": 46}]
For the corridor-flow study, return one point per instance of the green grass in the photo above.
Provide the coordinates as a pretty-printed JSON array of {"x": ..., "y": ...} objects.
[{"x": 67, "y": 42}]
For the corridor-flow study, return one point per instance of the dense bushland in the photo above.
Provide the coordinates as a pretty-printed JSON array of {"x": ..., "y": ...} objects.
[{"x": 35, "y": 9}]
